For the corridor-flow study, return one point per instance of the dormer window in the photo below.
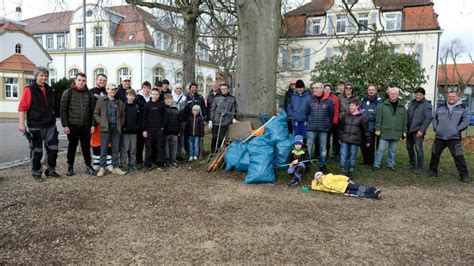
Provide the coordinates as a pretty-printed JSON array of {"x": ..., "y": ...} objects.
[
  {"x": 89, "y": 13},
  {"x": 341, "y": 24},
  {"x": 313, "y": 26},
  {"x": 18, "y": 48}
]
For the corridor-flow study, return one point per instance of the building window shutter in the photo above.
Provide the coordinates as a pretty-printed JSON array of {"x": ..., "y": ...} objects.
[
  {"x": 308, "y": 26},
  {"x": 328, "y": 53},
  {"x": 398, "y": 26},
  {"x": 330, "y": 25},
  {"x": 351, "y": 28},
  {"x": 373, "y": 20},
  {"x": 307, "y": 58},
  {"x": 284, "y": 55},
  {"x": 419, "y": 51}
]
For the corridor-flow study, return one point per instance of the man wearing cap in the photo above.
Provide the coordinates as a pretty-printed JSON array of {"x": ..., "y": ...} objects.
[
  {"x": 165, "y": 89},
  {"x": 298, "y": 109},
  {"x": 288, "y": 94},
  {"x": 419, "y": 116},
  {"x": 122, "y": 88}
]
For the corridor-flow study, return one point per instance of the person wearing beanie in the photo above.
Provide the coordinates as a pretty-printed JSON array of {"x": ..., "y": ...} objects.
[
  {"x": 419, "y": 116},
  {"x": 194, "y": 132},
  {"x": 286, "y": 103},
  {"x": 298, "y": 109},
  {"x": 295, "y": 160}
]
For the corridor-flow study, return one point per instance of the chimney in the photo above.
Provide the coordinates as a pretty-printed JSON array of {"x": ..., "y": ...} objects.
[{"x": 18, "y": 14}]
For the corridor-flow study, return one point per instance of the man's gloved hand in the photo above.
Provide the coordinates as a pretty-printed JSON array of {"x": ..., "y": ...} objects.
[
  {"x": 377, "y": 133},
  {"x": 234, "y": 121},
  {"x": 210, "y": 124}
]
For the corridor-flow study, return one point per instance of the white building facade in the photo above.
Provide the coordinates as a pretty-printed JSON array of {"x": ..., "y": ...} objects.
[
  {"x": 121, "y": 42},
  {"x": 318, "y": 29}
]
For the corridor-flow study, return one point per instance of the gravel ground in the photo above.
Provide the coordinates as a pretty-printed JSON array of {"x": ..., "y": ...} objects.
[{"x": 189, "y": 216}]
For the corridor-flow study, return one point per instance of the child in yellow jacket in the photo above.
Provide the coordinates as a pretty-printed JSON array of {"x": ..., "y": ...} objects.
[{"x": 342, "y": 184}]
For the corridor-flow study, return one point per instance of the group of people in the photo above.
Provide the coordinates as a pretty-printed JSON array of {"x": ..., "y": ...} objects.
[
  {"x": 373, "y": 124},
  {"x": 125, "y": 129}
]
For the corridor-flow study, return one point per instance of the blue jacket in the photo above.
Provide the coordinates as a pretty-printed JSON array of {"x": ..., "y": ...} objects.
[
  {"x": 320, "y": 113},
  {"x": 368, "y": 107},
  {"x": 297, "y": 109},
  {"x": 449, "y": 124}
]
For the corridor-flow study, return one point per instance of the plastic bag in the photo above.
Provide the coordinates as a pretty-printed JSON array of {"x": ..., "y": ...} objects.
[
  {"x": 237, "y": 157},
  {"x": 261, "y": 160},
  {"x": 278, "y": 127},
  {"x": 282, "y": 149}
]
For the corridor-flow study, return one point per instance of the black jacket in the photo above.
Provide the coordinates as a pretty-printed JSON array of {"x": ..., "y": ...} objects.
[
  {"x": 41, "y": 112},
  {"x": 288, "y": 95},
  {"x": 132, "y": 119},
  {"x": 293, "y": 155},
  {"x": 192, "y": 100},
  {"x": 195, "y": 126},
  {"x": 97, "y": 93},
  {"x": 419, "y": 116},
  {"x": 209, "y": 100},
  {"x": 174, "y": 119},
  {"x": 77, "y": 107},
  {"x": 154, "y": 115},
  {"x": 355, "y": 129}
]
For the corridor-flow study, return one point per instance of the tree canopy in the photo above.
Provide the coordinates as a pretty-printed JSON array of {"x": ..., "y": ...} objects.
[{"x": 374, "y": 63}]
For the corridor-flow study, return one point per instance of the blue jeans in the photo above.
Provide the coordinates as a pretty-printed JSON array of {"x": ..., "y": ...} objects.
[
  {"x": 297, "y": 170},
  {"x": 360, "y": 191},
  {"x": 299, "y": 128},
  {"x": 392, "y": 148},
  {"x": 348, "y": 155},
  {"x": 322, "y": 138},
  {"x": 193, "y": 142}
]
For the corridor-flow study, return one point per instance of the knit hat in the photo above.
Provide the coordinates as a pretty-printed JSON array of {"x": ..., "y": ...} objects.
[
  {"x": 159, "y": 84},
  {"x": 298, "y": 139},
  {"x": 165, "y": 81},
  {"x": 197, "y": 107},
  {"x": 300, "y": 84},
  {"x": 420, "y": 90}
]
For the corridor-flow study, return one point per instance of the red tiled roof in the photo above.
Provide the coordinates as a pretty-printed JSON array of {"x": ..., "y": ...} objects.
[
  {"x": 420, "y": 18},
  {"x": 49, "y": 23},
  {"x": 464, "y": 72},
  {"x": 313, "y": 8},
  {"x": 392, "y": 5},
  {"x": 11, "y": 27},
  {"x": 17, "y": 62}
]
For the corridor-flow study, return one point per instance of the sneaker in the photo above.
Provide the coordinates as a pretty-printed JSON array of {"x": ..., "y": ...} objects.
[
  {"x": 293, "y": 182},
  {"x": 38, "y": 178},
  {"x": 375, "y": 168},
  {"x": 432, "y": 174},
  {"x": 132, "y": 169},
  {"x": 146, "y": 169},
  {"x": 70, "y": 170},
  {"x": 377, "y": 194},
  {"x": 325, "y": 170},
  {"x": 191, "y": 158},
  {"x": 465, "y": 179},
  {"x": 101, "y": 172},
  {"x": 391, "y": 168},
  {"x": 52, "y": 173},
  {"x": 418, "y": 171},
  {"x": 124, "y": 168},
  {"x": 343, "y": 171},
  {"x": 174, "y": 165},
  {"x": 118, "y": 171},
  {"x": 161, "y": 169},
  {"x": 90, "y": 171}
]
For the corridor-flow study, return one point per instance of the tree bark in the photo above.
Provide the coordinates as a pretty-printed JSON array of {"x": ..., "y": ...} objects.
[
  {"x": 189, "y": 55},
  {"x": 259, "y": 30}
]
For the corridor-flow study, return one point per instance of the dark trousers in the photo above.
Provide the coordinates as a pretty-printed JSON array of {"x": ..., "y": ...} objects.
[
  {"x": 75, "y": 135},
  {"x": 455, "y": 147},
  {"x": 336, "y": 146},
  {"x": 415, "y": 143},
  {"x": 155, "y": 145},
  {"x": 368, "y": 153},
  {"x": 360, "y": 191},
  {"x": 112, "y": 136},
  {"x": 218, "y": 139},
  {"x": 140, "y": 147},
  {"x": 49, "y": 137}
]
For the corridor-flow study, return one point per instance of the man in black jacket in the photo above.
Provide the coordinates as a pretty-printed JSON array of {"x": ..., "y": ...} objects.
[
  {"x": 154, "y": 122},
  {"x": 37, "y": 102},
  {"x": 77, "y": 112},
  {"x": 291, "y": 90},
  {"x": 223, "y": 111},
  {"x": 419, "y": 116},
  {"x": 122, "y": 88},
  {"x": 99, "y": 89},
  {"x": 215, "y": 91}
]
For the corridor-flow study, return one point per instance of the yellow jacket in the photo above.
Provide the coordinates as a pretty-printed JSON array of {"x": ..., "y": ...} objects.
[{"x": 331, "y": 183}]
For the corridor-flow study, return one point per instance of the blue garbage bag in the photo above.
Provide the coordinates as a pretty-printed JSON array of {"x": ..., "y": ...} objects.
[
  {"x": 261, "y": 160},
  {"x": 278, "y": 127},
  {"x": 282, "y": 149},
  {"x": 237, "y": 156}
]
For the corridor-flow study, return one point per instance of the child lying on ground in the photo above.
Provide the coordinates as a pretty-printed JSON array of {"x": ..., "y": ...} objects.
[{"x": 342, "y": 184}]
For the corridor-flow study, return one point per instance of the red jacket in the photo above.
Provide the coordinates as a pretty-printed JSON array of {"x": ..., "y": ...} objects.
[{"x": 335, "y": 100}]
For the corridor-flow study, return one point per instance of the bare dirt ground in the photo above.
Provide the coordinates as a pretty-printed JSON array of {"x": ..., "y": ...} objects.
[{"x": 190, "y": 216}]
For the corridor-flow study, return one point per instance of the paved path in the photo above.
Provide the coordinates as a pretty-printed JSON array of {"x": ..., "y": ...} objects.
[{"x": 14, "y": 147}]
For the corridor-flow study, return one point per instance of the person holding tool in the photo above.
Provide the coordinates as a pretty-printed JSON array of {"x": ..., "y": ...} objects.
[
  {"x": 295, "y": 159},
  {"x": 223, "y": 112}
]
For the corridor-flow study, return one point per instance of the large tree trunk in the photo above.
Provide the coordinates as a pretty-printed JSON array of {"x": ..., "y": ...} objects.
[
  {"x": 189, "y": 55},
  {"x": 259, "y": 30}
]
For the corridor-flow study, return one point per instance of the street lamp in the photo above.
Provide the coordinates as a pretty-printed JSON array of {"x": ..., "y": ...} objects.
[{"x": 468, "y": 93}]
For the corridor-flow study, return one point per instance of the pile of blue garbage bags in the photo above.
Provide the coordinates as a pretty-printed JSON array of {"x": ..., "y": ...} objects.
[{"x": 261, "y": 155}]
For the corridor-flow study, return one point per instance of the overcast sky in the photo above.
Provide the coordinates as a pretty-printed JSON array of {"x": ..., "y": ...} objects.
[{"x": 455, "y": 16}]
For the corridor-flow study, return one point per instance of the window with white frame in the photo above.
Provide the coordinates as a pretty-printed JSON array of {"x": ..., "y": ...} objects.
[
  {"x": 296, "y": 58},
  {"x": 200, "y": 83},
  {"x": 73, "y": 72},
  {"x": 391, "y": 22},
  {"x": 363, "y": 21},
  {"x": 98, "y": 36},
  {"x": 341, "y": 24},
  {"x": 98, "y": 71},
  {"x": 11, "y": 88},
  {"x": 61, "y": 42},
  {"x": 158, "y": 74},
  {"x": 80, "y": 38},
  {"x": 124, "y": 73},
  {"x": 162, "y": 41},
  {"x": 18, "y": 48},
  {"x": 396, "y": 48},
  {"x": 52, "y": 76},
  {"x": 314, "y": 26},
  {"x": 178, "y": 77},
  {"x": 409, "y": 48},
  {"x": 49, "y": 42}
]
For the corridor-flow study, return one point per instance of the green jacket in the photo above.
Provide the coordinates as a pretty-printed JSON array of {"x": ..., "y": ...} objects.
[{"x": 391, "y": 124}]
